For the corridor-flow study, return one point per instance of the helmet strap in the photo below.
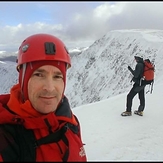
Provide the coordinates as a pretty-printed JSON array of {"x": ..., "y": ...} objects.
[{"x": 22, "y": 79}]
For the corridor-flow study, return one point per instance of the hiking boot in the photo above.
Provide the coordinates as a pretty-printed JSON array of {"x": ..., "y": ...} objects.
[
  {"x": 126, "y": 113},
  {"x": 138, "y": 112}
]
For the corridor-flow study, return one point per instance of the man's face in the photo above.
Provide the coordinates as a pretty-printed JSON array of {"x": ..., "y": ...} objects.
[
  {"x": 136, "y": 59},
  {"x": 45, "y": 88}
]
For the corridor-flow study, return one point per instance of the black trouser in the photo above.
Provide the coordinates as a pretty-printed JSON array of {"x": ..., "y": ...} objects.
[{"x": 136, "y": 89}]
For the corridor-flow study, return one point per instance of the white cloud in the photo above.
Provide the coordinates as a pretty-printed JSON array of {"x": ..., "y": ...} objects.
[{"x": 76, "y": 23}]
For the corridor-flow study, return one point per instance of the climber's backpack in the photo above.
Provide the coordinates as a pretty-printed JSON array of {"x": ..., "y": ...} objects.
[{"x": 148, "y": 74}]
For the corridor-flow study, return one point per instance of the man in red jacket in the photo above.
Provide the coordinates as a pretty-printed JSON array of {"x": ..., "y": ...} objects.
[{"x": 36, "y": 122}]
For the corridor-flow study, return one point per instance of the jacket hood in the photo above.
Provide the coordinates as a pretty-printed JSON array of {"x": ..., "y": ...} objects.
[{"x": 139, "y": 59}]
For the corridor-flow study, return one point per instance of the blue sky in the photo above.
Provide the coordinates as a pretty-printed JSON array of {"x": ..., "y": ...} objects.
[
  {"x": 13, "y": 13},
  {"x": 78, "y": 23}
]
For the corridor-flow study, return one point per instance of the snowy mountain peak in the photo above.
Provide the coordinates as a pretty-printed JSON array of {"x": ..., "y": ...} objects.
[{"x": 100, "y": 71}]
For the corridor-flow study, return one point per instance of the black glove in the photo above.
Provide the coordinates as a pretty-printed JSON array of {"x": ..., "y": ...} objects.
[{"x": 129, "y": 68}]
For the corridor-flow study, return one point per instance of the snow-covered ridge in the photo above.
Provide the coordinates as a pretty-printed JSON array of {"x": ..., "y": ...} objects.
[{"x": 100, "y": 71}]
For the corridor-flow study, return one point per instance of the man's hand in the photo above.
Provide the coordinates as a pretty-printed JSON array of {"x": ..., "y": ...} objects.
[{"x": 129, "y": 68}]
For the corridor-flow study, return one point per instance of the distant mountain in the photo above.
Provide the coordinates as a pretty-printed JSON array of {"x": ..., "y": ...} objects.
[
  {"x": 8, "y": 56},
  {"x": 100, "y": 71},
  {"x": 77, "y": 51},
  {"x": 9, "y": 76}
]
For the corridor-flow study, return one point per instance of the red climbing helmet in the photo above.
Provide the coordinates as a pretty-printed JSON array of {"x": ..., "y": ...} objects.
[{"x": 42, "y": 47}]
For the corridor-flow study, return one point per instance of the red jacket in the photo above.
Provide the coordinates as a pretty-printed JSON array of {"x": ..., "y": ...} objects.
[{"x": 13, "y": 112}]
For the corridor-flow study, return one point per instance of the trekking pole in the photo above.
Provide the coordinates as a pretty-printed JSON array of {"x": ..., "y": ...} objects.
[
  {"x": 148, "y": 89},
  {"x": 152, "y": 86}
]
